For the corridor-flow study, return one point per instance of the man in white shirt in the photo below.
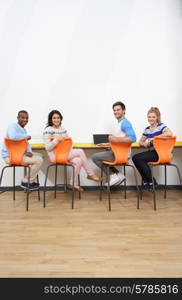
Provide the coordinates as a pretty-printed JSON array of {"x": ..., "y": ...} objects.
[{"x": 123, "y": 133}]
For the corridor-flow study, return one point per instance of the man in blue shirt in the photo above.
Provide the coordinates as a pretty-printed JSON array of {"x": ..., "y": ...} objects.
[
  {"x": 123, "y": 133},
  {"x": 16, "y": 131}
]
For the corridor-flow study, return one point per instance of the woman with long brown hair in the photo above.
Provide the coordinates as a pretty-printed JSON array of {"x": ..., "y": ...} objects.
[{"x": 55, "y": 129}]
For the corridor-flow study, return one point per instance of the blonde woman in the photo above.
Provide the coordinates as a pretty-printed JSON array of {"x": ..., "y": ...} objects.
[{"x": 155, "y": 128}]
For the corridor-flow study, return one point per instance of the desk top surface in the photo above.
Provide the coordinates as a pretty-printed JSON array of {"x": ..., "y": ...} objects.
[{"x": 93, "y": 146}]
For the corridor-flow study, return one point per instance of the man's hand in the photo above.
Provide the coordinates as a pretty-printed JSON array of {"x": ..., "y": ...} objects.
[
  {"x": 113, "y": 138},
  {"x": 103, "y": 145},
  {"x": 29, "y": 154}
]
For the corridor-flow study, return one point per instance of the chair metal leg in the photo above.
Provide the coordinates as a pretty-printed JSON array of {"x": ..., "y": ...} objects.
[
  {"x": 44, "y": 198},
  {"x": 153, "y": 189},
  {"x": 179, "y": 174},
  {"x": 14, "y": 177},
  {"x": 28, "y": 189},
  {"x": 55, "y": 185},
  {"x": 165, "y": 180},
  {"x": 13, "y": 182},
  {"x": 125, "y": 182},
  {"x": 65, "y": 178},
  {"x": 2, "y": 172},
  {"x": 101, "y": 184},
  {"x": 38, "y": 188},
  {"x": 79, "y": 185},
  {"x": 108, "y": 187},
  {"x": 73, "y": 190},
  {"x": 141, "y": 191},
  {"x": 136, "y": 182}
]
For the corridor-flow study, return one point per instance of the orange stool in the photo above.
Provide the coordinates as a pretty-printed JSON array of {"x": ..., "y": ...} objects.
[
  {"x": 163, "y": 145},
  {"x": 61, "y": 151},
  {"x": 16, "y": 151},
  {"x": 120, "y": 151}
]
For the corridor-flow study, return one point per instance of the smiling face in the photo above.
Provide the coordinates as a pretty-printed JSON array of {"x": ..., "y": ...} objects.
[
  {"x": 118, "y": 112},
  {"x": 56, "y": 120},
  {"x": 152, "y": 119},
  {"x": 22, "y": 119}
]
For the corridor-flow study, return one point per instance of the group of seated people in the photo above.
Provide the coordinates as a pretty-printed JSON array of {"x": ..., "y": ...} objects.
[{"x": 54, "y": 133}]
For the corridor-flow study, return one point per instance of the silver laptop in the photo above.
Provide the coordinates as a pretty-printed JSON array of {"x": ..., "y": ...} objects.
[{"x": 100, "y": 138}]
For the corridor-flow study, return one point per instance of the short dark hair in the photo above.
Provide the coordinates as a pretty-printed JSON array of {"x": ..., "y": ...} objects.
[
  {"x": 22, "y": 112},
  {"x": 119, "y": 103},
  {"x": 50, "y": 115}
]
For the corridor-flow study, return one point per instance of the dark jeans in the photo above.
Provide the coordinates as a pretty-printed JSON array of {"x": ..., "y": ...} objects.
[{"x": 141, "y": 160}]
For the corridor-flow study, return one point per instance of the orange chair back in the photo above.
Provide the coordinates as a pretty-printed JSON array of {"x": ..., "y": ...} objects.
[
  {"x": 16, "y": 151},
  {"x": 120, "y": 151},
  {"x": 61, "y": 151},
  {"x": 164, "y": 146}
]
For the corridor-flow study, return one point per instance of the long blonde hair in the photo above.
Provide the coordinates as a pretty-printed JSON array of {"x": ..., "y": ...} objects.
[{"x": 156, "y": 111}]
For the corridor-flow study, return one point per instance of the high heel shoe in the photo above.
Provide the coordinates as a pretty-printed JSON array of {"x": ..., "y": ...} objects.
[
  {"x": 94, "y": 177},
  {"x": 76, "y": 187}
]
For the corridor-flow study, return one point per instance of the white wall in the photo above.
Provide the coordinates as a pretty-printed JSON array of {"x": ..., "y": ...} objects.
[{"x": 80, "y": 56}]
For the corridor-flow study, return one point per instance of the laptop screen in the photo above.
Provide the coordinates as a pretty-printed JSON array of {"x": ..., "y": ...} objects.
[{"x": 100, "y": 138}]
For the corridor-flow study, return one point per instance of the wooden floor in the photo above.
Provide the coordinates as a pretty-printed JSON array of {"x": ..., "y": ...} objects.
[{"x": 89, "y": 241}]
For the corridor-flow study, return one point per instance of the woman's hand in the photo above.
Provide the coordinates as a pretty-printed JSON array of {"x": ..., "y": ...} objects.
[
  {"x": 145, "y": 143},
  {"x": 60, "y": 138}
]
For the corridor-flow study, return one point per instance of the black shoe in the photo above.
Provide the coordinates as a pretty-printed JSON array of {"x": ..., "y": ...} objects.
[
  {"x": 35, "y": 184},
  {"x": 148, "y": 186},
  {"x": 24, "y": 185},
  {"x": 31, "y": 186}
]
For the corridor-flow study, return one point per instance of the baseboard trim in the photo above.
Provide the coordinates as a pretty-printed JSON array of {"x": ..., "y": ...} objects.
[{"x": 91, "y": 188}]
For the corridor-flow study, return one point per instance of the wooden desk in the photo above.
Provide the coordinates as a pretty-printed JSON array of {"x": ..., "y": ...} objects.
[{"x": 92, "y": 146}]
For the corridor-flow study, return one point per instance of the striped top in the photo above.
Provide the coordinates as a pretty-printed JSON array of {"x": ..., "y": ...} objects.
[
  {"x": 53, "y": 132},
  {"x": 150, "y": 132}
]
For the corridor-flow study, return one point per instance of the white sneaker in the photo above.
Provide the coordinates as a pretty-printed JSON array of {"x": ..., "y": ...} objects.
[
  {"x": 114, "y": 180},
  {"x": 121, "y": 176}
]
